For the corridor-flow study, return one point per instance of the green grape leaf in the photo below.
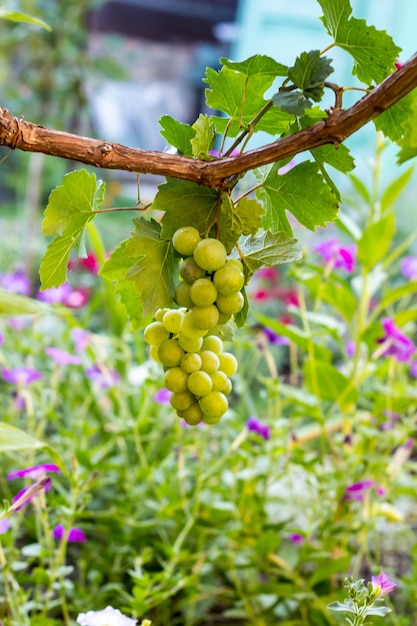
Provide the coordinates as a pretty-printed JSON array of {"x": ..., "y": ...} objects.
[
  {"x": 408, "y": 143},
  {"x": 241, "y": 98},
  {"x": 204, "y": 137},
  {"x": 373, "y": 50},
  {"x": 156, "y": 267},
  {"x": 301, "y": 191},
  {"x": 177, "y": 134},
  {"x": 257, "y": 64},
  {"x": 268, "y": 249},
  {"x": 309, "y": 73},
  {"x": 338, "y": 157},
  {"x": 115, "y": 269},
  {"x": 395, "y": 120},
  {"x": 70, "y": 207},
  {"x": 249, "y": 212},
  {"x": 185, "y": 204},
  {"x": 376, "y": 240},
  {"x": 291, "y": 102}
]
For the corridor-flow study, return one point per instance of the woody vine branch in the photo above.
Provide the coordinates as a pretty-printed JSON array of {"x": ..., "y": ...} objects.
[{"x": 340, "y": 124}]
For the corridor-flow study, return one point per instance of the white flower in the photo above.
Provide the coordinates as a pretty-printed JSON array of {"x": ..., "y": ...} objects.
[{"x": 107, "y": 617}]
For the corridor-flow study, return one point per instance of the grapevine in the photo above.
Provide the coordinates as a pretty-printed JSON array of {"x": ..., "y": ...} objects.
[{"x": 187, "y": 340}]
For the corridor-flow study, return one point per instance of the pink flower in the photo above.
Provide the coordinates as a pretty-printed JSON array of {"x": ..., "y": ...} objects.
[
  {"x": 26, "y": 495},
  {"x": 382, "y": 584},
  {"x": 340, "y": 256},
  {"x": 62, "y": 357},
  {"x": 162, "y": 396},
  {"x": 16, "y": 282},
  {"x": 398, "y": 64},
  {"x": 4, "y": 525},
  {"x": 256, "y": 426},
  {"x": 20, "y": 376},
  {"x": 398, "y": 345},
  {"x": 35, "y": 472},
  {"x": 103, "y": 377},
  {"x": 409, "y": 267},
  {"x": 81, "y": 339},
  {"x": 296, "y": 538},
  {"x": 355, "y": 491},
  {"x": 75, "y": 535}
]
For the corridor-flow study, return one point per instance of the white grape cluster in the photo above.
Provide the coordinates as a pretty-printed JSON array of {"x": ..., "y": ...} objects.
[{"x": 197, "y": 370}]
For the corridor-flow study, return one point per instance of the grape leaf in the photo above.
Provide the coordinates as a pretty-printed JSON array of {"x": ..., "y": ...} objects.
[
  {"x": 257, "y": 64},
  {"x": 408, "y": 143},
  {"x": 204, "y": 137},
  {"x": 309, "y": 72},
  {"x": 338, "y": 157},
  {"x": 156, "y": 267},
  {"x": 301, "y": 191},
  {"x": 373, "y": 50},
  {"x": 177, "y": 134},
  {"x": 70, "y": 207},
  {"x": 249, "y": 213},
  {"x": 115, "y": 269},
  {"x": 241, "y": 97},
  {"x": 185, "y": 204},
  {"x": 394, "y": 121},
  {"x": 291, "y": 102},
  {"x": 268, "y": 249}
]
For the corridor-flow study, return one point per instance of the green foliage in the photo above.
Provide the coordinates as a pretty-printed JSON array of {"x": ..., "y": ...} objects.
[
  {"x": 17, "y": 16},
  {"x": 178, "y": 134}
]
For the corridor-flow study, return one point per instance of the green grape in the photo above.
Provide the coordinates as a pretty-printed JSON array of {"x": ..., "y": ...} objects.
[
  {"x": 189, "y": 328},
  {"x": 213, "y": 405},
  {"x": 182, "y": 295},
  {"x": 205, "y": 317},
  {"x": 185, "y": 240},
  {"x": 190, "y": 271},
  {"x": 227, "y": 388},
  {"x": 223, "y": 318},
  {"x": 153, "y": 352},
  {"x": 211, "y": 419},
  {"x": 190, "y": 344},
  {"x": 172, "y": 320},
  {"x": 170, "y": 353},
  {"x": 212, "y": 343},
  {"x": 228, "y": 363},
  {"x": 210, "y": 254},
  {"x": 199, "y": 383},
  {"x": 182, "y": 400},
  {"x": 193, "y": 414},
  {"x": 190, "y": 362},
  {"x": 203, "y": 292},
  {"x": 228, "y": 280},
  {"x": 210, "y": 362},
  {"x": 155, "y": 333},
  {"x": 230, "y": 304},
  {"x": 220, "y": 381},
  {"x": 175, "y": 379},
  {"x": 159, "y": 315},
  {"x": 235, "y": 263}
]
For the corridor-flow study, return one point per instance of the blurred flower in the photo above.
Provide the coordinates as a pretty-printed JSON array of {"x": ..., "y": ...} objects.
[
  {"x": 398, "y": 64},
  {"x": 268, "y": 273},
  {"x": 275, "y": 339},
  {"x": 350, "y": 348},
  {"x": 103, "y": 377},
  {"x": 413, "y": 368},
  {"x": 16, "y": 282},
  {"x": 81, "y": 339},
  {"x": 356, "y": 490},
  {"x": 26, "y": 495},
  {"x": 162, "y": 396},
  {"x": 20, "y": 376},
  {"x": 62, "y": 357},
  {"x": 88, "y": 263},
  {"x": 4, "y": 525},
  {"x": 296, "y": 538},
  {"x": 35, "y": 472},
  {"x": 107, "y": 617},
  {"x": 340, "y": 256},
  {"x": 382, "y": 584},
  {"x": 65, "y": 295},
  {"x": 1, "y": 338},
  {"x": 256, "y": 426},
  {"x": 391, "y": 418},
  {"x": 398, "y": 345},
  {"x": 409, "y": 267},
  {"x": 217, "y": 154},
  {"x": 75, "y": 535}
]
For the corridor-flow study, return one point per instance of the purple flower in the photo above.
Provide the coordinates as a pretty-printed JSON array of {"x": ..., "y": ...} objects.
[
  {"x": 16, "y": 282},
  {"x": 275, "y": 339},
  {"x": 409, "y": 267},
  {"x": 340, "y": 256},
  {"x": 382, "y": 584},
  {"x": 413, "y": 368},
  {"x": 256, "y": 426},
  {"x": 103, "y": 377},
  {"x": 107, "y": 617},
  {"x": 398, "y": 345},
  {"x": 4, "y": 525},
  {"x": 75, "y": 535},
  {"x": 81, "y": 339},
  {"x": 62, "y": 357},
  {"x": 162, "y": 396},
  {"x": 55, "y": 295},
  {"x": 296, "y": 538},
  {"x": 356, "y": 490},
  {"x": 20, "y": 376},
  {"x": 35, "y": 472},
  {"x": 26, "y": 495},
  {"x": 1, "y": 338}
]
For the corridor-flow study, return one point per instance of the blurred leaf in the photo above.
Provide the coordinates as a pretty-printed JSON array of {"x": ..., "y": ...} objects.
[
  {"x": 373, "y": 50},
  {"x": 17, "y": 16},
  {"x": 325, "y": 381},
  {"x": 394, "y": 190},
  {"x": 392, "y": 295},
  {"x": 326, "y": 569},
  {"x": 376, "y": 240},
  {"x": 15, "y": 304},
  {"x": 12, "y": 438},
  {"x": 203, "y": 139},
  {"x": 177, "y": 134}
]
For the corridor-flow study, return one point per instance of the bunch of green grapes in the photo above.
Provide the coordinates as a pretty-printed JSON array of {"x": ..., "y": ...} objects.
[{"x": 183, "y": 339}]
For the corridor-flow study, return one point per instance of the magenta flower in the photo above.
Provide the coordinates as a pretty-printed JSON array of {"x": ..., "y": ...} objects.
[
  {"x": 256, "y": 426},
  {"x": 382, "y": 584},
  {"x": 162, "y": 396},
  {"x": 102, "y": 377},
  {"x": 397, "y": 344},
  {"x": 340, "y": 256},
  {"x": 296, "y": 538},
  {"x": 398, "y": 64},
  {"x": 20, "y": 376},
  {"x": 1, "y": 338},
  {"x": 16, "y": 282},
  {"x": 61, "y": 357},
  {"x": 409, "y": 267},
  {"x": 26, "y": 495},
  {"x": 275, "y": 339},
  {"x": 75, "y": 535},
  {"x": 356, "y": 490},
  {"x": 55, "y": 295},
  {"x": 81, "y": 339},
  {"x": 35, "y": 472}
]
